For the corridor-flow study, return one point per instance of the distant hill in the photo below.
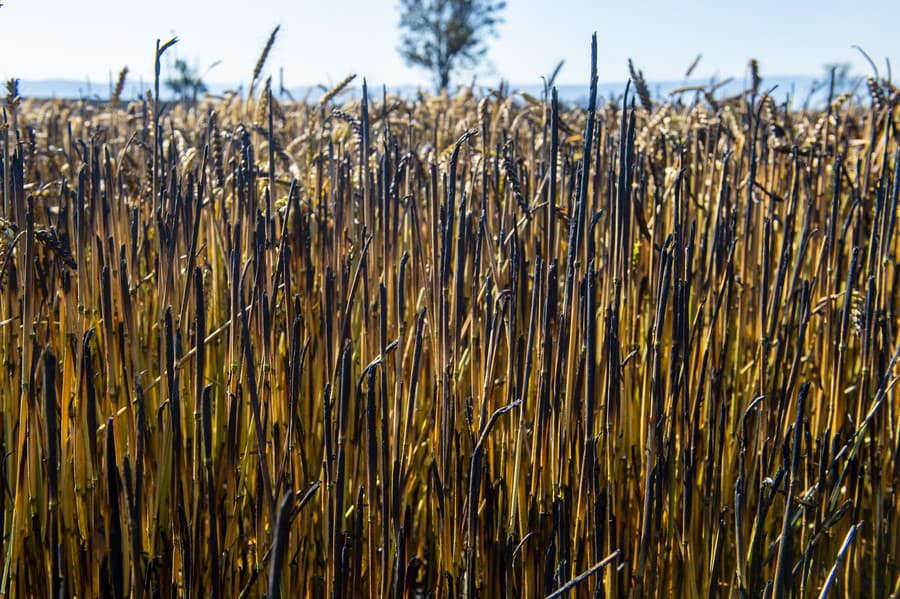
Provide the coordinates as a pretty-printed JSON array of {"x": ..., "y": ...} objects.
[{"x": 799, "y": 88}]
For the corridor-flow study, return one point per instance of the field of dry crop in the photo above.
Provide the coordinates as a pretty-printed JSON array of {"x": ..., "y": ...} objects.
[{"x": 470, "y": 345}]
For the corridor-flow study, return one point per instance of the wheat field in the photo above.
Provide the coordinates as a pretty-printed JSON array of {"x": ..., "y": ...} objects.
[{"x": 480, "y": 344}]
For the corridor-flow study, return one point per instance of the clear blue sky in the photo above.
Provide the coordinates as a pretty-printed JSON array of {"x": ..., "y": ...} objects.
[{"x": 321, "y": 42}]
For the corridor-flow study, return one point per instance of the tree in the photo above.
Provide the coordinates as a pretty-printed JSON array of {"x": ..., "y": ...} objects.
[
  {"x": 186, "y": 84},
  {"x": 444, "y": 35}
]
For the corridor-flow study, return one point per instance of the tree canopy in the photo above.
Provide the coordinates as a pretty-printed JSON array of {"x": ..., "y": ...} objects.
[
  {"x": 187, "y": 83},
  {"x": 442, "y": 36}
]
